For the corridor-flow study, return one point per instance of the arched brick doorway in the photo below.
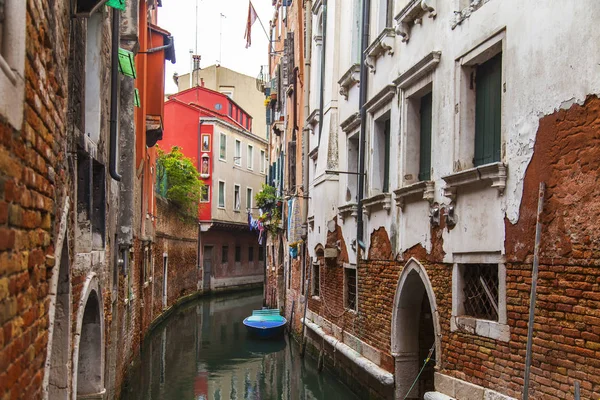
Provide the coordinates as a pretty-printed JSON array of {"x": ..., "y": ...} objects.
[{"x": 415, "y": 330}]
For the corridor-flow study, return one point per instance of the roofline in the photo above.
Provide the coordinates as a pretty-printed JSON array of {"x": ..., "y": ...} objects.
[
  {"x": 235, "y": 128},
  {"x": 215, "y": 92}
]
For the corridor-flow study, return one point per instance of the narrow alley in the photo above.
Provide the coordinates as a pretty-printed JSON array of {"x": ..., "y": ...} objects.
[{"x": 299, "y": 199}]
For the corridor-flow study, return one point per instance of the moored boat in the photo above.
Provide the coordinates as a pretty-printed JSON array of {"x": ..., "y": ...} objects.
[{"x": 265, "y": 324}]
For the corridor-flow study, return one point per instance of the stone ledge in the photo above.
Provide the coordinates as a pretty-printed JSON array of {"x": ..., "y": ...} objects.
[
  {"x": 449, "y": 387},
  {"x": 384, "y": 200},
  {"x": 350, "y": 123},
  {"x": 425, "y": 189},
  {"x": 350, "y": 208},
  {"x": 382, "y": 376},
  {"x": 494, "y": 173},
  {"x": 382, "y": 44},
  {"x": 423, "y": 67},
  {"x": 350, "y": 77},
  {"x": 411, "y": 15}
]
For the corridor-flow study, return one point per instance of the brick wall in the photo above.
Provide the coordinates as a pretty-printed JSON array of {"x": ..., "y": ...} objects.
[
  {"x": 32, "y": 175},
  {"x": 566, "y": 343}
]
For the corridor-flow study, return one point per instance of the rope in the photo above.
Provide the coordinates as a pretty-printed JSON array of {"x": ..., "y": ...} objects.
[{"x": 422, "y": 368}]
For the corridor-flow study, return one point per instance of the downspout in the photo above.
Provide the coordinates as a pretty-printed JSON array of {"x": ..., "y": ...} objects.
[
  {"x": 322, "y": 80},
  {"x": 305, "y": 150},
  {"x": 363, "y": 120},
  {"x": 114, "y": 87}
]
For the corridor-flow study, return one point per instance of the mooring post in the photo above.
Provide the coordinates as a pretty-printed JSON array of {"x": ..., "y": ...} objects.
[{"x": 534, "y": 277}]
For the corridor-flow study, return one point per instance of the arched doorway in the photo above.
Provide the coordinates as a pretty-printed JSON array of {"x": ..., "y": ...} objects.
[
  {"x": 415, "y": 331},
  {"x": 88, "y": 357}
]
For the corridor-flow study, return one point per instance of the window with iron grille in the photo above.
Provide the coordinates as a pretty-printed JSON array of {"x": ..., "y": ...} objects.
[
  {"x": 316, "y": 282},
  {"x": 480, "y": 290},
  {"x": 350, "y": 288}
]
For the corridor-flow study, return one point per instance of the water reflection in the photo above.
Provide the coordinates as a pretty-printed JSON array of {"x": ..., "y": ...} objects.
[{"x": 203, "y": 352}]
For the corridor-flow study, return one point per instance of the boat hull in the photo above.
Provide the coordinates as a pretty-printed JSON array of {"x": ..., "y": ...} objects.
[{"x": 265, "y": 329}]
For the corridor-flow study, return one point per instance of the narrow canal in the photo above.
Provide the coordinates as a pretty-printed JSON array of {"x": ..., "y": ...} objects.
[{"x": 202, "y": 352}]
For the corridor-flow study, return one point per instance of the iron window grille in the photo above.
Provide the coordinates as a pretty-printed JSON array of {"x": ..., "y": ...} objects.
[
  {"x": 480, "y": 289},
  {"x": 316, "y": 280},
  {"x": 350, "y": 288}
]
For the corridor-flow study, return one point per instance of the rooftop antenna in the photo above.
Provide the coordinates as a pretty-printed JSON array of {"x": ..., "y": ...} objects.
[{"x": 221, "y": 37}]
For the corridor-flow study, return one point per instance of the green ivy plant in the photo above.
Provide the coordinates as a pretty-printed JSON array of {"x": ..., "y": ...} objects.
[
  {"x": 270, "y": 203},
  {"x": 183, "y": 185}
]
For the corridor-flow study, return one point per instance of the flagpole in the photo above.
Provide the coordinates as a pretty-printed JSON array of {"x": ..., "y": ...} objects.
[{"x": 262, "y": 26}]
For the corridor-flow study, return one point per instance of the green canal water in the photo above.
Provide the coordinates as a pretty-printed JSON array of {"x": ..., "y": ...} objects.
[{"x": 203, "y": 352}]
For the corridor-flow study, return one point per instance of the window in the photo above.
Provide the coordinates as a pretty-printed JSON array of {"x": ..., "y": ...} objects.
[
  {"x": 238, "y": 153},
  {"x": 12, "y": 60},
  {"x": 352, "y": 158},
  {"x": 236, "y": 197},
  {"x": 480, "y": 290},
  {"x": 386, "y": 14},
  {"x": 93, "y": 81},
  {"x": 356, "y": 31},
  {"x": 488, "y": 86},
  {"x": 223, "y": 147},
  {"x": 144, "y": 262},
  {"x": 148, "y": 263},
  {"x": 316, "y": 282},
  {"x": 381, "y": 159},
  {"x": 221, "y": 194},
  {"x": 205, "y": 194},
  {"x": 261, "y": 253},
  {"x": 238, "y": 254},
  {"x": 251, "y": 254},
  {"x": 350, "y": 287},
  {"x": 224, "y": 254},
  {"x": 250, "y": 156},
  {"x": 249, "y": 198},
  {"x": 230, "y": 112},
  {"x": 262, "y": 162}
]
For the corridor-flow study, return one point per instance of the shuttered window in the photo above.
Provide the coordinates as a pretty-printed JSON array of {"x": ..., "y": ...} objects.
[
  {"x": 488, "y": 111},
  {"x": 386, "y": 160},
  {"x": 425, "y": 138}
]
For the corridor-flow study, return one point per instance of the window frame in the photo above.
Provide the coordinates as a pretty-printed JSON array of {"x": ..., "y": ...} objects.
[
  {"x": 205, "y": 189},
  {"x": 225, "y": 254},
  {"x": 465, "y": 92},
  {"x": 237, "y": 157},
  {"x": 237, "y": 257},
  {"x": 12, "y": 62},
  {"x": 251, "y": 254},
  {"x": 249, "y": 191},
  {"x": 262, "y": 161},
  {"x": 219, "y": 195},
  {"x": 250, "y": 156},
  {"x": 315, "y": 289},
  {"x": 222, "y": 149},
  {"x": 350, "y": 267},
  {"x": 237, "y": 207},
  {"x": 499, "y": 329}
]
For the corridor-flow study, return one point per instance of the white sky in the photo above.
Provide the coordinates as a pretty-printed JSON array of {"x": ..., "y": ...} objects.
[{"x": 178, "y": 17}]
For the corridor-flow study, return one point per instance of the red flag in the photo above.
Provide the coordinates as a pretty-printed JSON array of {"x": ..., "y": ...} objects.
[{"x": 251, "y": 19}]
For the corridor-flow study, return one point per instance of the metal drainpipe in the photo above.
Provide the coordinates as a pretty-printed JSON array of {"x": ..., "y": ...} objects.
[
  {"x": 114, "y": 88},
  {"x": 363, "y": 119},
  {"x": 305, "y": 138},
  {"x": 322, "y": 82}
]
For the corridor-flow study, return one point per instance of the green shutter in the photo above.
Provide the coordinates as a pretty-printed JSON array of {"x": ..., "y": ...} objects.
[
  {"x": 127, "y": 63},
  {"x": 425, "y": 139},
  {"x": 118, "y": 4},
  {"x": 136, "y": 98},
  {"x": 386, "y": 161},
  {"x": 488, "y": 111}
]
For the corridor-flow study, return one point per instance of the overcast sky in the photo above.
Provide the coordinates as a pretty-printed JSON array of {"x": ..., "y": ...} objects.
[{"x": 179, "y": 18}]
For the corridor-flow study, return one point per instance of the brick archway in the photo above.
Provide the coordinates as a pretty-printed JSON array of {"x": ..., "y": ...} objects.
[{"x": 414, "y": 297}]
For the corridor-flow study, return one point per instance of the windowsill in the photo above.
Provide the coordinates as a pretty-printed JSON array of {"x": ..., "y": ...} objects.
[
  {"x": 423, "y": 189},
  {"x": 222, "y": 159},
  {"x": 205, "y": 176},
  {"x": 480, "y": 327},
  {"x": 236, "y": 164},
  {"x": 349, "y": 79},
  {"x": 494, "y": 174},
  {"x": 221, "y": 208},
  {"x": 316, "y": 298},
  {"x": 313, "y": 117},
  {"x": 348, "y": 209},
  {"x": 384, "y": 43},
  {"x": 236, "y": 211},
  {"x": 411, "y": 15},
  {"x": 382, "y": 200}
]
